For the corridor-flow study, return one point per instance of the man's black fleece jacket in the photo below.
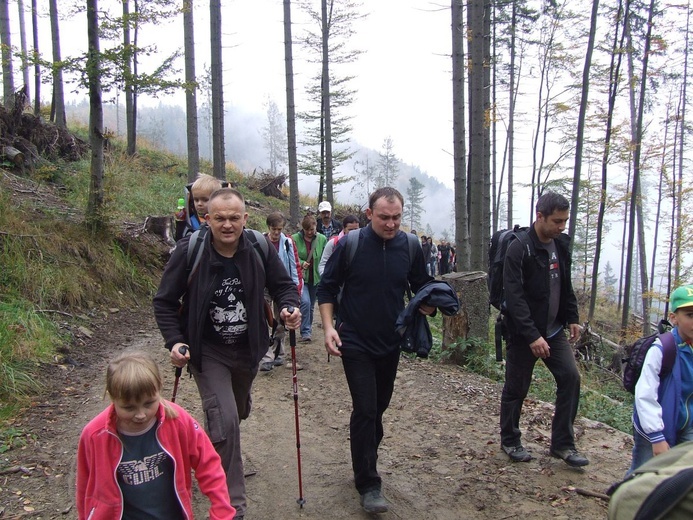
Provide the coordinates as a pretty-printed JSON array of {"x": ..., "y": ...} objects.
[
  {"x": 374, "y": 286},
  {"x": 526, "y": 286}
]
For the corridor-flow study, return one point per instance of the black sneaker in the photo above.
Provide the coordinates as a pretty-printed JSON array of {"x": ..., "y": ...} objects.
[
  {"x": 517, "y": 453},
  {"x": 374, "y": 502},
  {"x": 266, "y": 367},
  {"x": 571, "y": 457}
]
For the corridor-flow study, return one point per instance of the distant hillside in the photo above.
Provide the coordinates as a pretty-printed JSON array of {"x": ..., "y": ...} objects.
[{"x": 163, "y": 126}]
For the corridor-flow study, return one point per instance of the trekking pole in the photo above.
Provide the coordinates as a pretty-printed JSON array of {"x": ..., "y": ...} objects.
[
  {"x": 179, "y": 370},
  {"x": 292, "y": 344}
]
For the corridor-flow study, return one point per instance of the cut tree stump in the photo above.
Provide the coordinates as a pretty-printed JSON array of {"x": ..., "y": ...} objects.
[{"x": 473, "y": 316}]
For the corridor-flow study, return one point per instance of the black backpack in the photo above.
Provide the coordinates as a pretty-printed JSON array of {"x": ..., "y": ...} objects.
[
  {"x": 635, "y": 356},
  {"x": 497, "y": 249}
]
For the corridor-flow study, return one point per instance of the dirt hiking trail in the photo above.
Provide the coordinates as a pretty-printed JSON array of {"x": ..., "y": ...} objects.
[{"x": 440, "y": 458}]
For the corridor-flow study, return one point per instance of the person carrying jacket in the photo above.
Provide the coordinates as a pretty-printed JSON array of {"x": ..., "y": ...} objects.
[
  {"x": 540, "y": 304},
  {"x": 374, "y": 283},
  {"x": 222, "y": 322}
]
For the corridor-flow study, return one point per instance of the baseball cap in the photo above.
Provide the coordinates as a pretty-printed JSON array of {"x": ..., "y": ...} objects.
[
  {"x": 324, "y": 206},
  {"x": 681, "y": 297}
]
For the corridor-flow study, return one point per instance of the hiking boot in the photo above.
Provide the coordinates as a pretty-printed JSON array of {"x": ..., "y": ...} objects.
[
  {"x": 267, "y": 366},
  {"x": 570, "y": 456},
  {"x": 374, "y": 502},
  {"x": 290, "y": 366},
  {"x": 306, "y": 339},
  {"x": 517, "y": 453},
  {"x": 278, "y": 361}
]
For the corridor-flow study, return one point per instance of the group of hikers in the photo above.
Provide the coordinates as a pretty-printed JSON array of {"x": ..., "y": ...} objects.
[
  {"x": 440, "y": 259},
  {"x": 212, "y": 314}
]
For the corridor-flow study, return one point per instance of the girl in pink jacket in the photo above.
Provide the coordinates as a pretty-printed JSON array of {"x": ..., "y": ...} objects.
[{"x": 136, "y": 458}]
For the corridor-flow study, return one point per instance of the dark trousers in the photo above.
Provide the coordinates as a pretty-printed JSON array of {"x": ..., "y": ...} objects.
[
  {"x": 518, "y": 376},
  {"x": 371, "y": 383}
]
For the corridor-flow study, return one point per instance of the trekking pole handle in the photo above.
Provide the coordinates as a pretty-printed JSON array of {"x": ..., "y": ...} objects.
[{"x": 183, "y": 349}]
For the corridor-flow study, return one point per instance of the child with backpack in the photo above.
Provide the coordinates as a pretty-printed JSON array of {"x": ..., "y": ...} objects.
[
  {"x": 197, "y": 197},
  {"x": 663, "y": 407},
  {"x": 136, "y": 458}
]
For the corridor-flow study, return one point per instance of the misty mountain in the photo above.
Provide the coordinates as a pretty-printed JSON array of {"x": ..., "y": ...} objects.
[{"x": 163, "y": 126}]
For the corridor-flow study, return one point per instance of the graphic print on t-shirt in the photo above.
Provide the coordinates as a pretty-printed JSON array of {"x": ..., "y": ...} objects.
[
  {"x": 137, "y": 472},
  {"x": 553, "y": 264},
  {"x": 227, "y": 312}
]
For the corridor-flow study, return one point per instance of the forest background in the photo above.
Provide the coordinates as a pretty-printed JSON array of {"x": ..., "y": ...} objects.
[{"x": 585, "y": 97}]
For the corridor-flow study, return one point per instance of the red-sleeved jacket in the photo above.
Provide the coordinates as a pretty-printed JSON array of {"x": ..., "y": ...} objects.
[{"x": 100, "y": 451}]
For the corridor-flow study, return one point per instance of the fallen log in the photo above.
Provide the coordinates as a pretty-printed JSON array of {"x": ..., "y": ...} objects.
[{"x": 13, "y": 155}]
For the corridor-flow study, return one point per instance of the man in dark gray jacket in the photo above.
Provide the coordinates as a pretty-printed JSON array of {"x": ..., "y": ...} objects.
[
  {"x": 222, "y": 322},
  {"x": 540, "y": 304}
]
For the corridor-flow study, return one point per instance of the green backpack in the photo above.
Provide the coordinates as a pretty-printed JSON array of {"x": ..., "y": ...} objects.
[{"x": 662, "y": 488}]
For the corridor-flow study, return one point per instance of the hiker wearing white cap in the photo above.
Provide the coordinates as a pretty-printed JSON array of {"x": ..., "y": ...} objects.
[{"x": 326, "y": 224}]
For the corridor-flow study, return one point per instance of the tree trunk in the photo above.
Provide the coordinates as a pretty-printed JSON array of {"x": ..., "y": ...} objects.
[
  {"x": 680, "y": 238},
  {"x": 218, "y": 154},
  {"x": 5, "y": 41},
  {"x": 581, "y": 123},
  {"x": 190, "y": 92},
  {"x": 128, "y": 80},
  {"x": 459, "y": 136},
  {"x": 37, "y": 67},
  {"x": 614, "y": 75},
  {"x": 294, "y": 201},
  {"x": 25, "y": 51},
  {"x": 94, "y": 216},
  {"x": 478, "y": 167},
  {"x": 58, "y": 109},
  {"x": 329, "y": 194}
]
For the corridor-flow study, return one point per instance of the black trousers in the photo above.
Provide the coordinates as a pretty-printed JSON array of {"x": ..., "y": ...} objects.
[
  {"x": 371, "y": 382},
  {"x": 518, "y": 376}
]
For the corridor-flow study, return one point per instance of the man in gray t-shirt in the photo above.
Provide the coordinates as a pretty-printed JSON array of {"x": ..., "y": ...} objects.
[{"x": 540, "y": 304}]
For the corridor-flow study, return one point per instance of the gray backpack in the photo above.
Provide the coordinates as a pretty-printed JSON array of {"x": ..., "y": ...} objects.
[{"x": 662, "y": 488}]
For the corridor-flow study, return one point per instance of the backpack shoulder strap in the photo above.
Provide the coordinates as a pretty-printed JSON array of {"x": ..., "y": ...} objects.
[
  {"x": 352, "y": 244},
  {"x": 260, "y": 245},
  {"x": 195, "y": 250},
  {"x": 413, "y": 244},
  {"x": 669, "y": 348}
]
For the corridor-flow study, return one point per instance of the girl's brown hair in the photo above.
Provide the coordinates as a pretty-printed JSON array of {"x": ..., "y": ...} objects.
[{"x": 132, "y": 375}]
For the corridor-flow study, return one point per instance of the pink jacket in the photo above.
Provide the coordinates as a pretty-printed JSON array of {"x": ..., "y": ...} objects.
[{"x": 100, "y": 451}]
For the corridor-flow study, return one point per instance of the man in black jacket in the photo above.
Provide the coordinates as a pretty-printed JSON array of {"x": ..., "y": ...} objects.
[
  {"x": 540, "y": 304},
  {"x": 365, "y": 337}
]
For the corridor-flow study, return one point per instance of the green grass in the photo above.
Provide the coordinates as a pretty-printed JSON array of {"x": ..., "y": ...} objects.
[
  {"x": 602, "y": 397},
  {"x": 50, "y": 261}
]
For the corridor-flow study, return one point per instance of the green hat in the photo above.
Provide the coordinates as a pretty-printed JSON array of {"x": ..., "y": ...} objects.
[{"x": 681, "y": 297}]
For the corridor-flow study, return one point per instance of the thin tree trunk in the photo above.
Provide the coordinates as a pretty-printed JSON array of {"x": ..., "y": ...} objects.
[
  {"x": 682, "y": 138},
  {"x": 25, "y": 51},
  {"x": 58, "y": 109},
  {"x": 459, "y": 136},
  {"x": 5, "y": 41},
  {"x": 512, "y": 94},
  {"x": 636, "y": 199},
  {"x": 219, "y": 156},
  {"x": 128, "y": 80},
  {"x": 193, "y": 144},
  {"x": 581, "y": 124},
  {"x": 37, "y": 67},
  {"x": 291, "y": 117},
  {"x": 326, "y": 16},
  {"x": 614, "y": 75},
  {"x": 94, "y": 215}
]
